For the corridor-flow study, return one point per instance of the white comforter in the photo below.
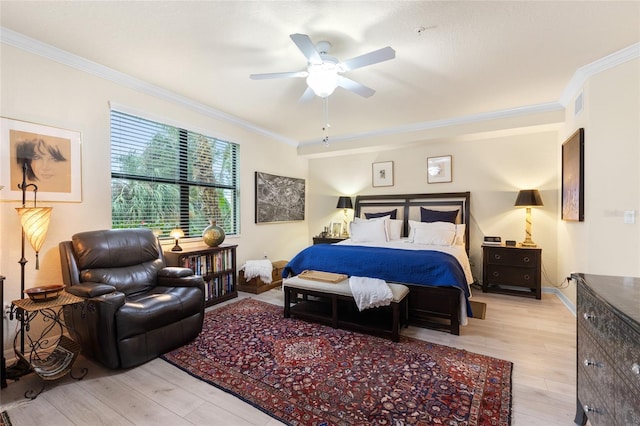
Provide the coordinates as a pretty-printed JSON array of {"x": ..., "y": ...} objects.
[{"x": 457, "y": 251}]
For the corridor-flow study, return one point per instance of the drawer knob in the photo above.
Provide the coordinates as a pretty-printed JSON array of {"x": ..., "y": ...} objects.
[
  {"x": 636, "y": 368},
  {"x": 527, "y": 277},
  {"x": 588, "y": 316},
  {"x": 526, "y": 259},
  {"x": 496, "y": 273},
  {"x": 588, "y": 363},
  {"x": 590, "y": 409},
  {"x": 497, "y": 256}
]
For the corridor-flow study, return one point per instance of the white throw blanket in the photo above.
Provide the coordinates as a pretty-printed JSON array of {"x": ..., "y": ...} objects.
[
  {"x": 258, "y": 268},
  {"x": 370, "y": 292}
]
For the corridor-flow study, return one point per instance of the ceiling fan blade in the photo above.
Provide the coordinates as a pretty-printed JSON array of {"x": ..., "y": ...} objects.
[
  {"x": 370, "y": 58},
  {"x": 307, "y": 48},
  {"x": 278, "y": 75},
  {"x": 355, "y": 87},
  {"x": 307, "y": 95}
]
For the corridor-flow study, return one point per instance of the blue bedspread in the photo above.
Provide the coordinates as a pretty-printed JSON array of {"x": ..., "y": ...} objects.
[{"x": 416, "y": 267}]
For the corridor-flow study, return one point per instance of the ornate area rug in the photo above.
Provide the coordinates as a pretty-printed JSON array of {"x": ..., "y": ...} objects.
[{"x": 309, "y": 374}]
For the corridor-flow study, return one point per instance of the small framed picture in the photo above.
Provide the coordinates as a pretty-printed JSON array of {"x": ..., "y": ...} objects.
[
  {"x": 382, "y": 174},
  {"x": 336, "y": 229},
  {"x": 439, "y": 169}
]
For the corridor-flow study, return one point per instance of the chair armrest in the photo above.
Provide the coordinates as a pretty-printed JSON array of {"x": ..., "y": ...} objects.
[
  {"x": 173, "y": 276},
  {"x": 89, "y": 289}
]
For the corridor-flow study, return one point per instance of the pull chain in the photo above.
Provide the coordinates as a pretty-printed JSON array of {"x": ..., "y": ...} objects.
[{"x": 326, "y": 125}]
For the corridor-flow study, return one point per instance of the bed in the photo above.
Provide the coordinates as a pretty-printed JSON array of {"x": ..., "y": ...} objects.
[{"x": 437, "y": 274}]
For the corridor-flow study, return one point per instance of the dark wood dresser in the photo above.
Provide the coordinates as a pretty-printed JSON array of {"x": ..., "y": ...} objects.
[
  {"x": 608, "y": 355},
  {"x": 512, "y": 270}
]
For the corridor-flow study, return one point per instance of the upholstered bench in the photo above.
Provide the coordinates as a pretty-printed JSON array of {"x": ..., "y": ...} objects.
[{"x": 334, "y": 304}]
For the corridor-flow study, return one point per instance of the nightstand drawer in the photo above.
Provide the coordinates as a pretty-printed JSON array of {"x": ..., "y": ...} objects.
[
  {"x": 511, "y": 257},
  {"x": 523, "y": 277}
]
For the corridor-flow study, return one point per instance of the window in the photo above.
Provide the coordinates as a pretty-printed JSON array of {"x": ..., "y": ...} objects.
[{"x": 163, "y": 177}]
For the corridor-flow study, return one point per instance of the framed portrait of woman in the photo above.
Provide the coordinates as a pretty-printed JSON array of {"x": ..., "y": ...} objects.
[{"x": 47, "y": 158}]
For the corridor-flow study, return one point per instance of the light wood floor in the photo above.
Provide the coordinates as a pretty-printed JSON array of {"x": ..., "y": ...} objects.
[{"x": 538, "y": 336}]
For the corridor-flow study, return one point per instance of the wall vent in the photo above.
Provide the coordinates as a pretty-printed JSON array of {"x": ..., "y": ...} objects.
[{"x": 578, "y": 104}]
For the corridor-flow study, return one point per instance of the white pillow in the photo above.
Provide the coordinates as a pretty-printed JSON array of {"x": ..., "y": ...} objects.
[
  {"x": 434, "y": 236},
  {"x": 394, "y": 228},
  {"x": 384, "y": 219},
  {"x": 459, "y": 229},
  {"x": 368, "y": 231},
  {"x": 436, "y": 233}
]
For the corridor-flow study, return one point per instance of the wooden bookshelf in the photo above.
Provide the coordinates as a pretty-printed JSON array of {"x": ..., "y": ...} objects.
[{"x": 216, "y": 265}]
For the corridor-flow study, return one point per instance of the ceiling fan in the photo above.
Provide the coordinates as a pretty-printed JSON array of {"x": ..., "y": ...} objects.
[{"x": 323, "y": 71}]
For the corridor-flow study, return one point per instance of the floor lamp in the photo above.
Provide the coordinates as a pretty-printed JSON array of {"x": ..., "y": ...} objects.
[{"x": 35, "y": 224}]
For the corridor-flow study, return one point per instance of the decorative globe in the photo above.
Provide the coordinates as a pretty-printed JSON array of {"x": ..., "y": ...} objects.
[{"x": 213, "y": 235}]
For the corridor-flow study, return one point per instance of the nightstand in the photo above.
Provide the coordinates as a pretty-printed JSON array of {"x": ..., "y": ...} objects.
[
  {"x": 327, "y": 240},
  {"x": 512, "y": 270}
]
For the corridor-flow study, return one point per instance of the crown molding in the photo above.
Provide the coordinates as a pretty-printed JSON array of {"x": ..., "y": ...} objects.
[
  {"x": 583, "y": 73},
  {"x": 44, "y": 50},
  {"x": 36, "y": 47}
]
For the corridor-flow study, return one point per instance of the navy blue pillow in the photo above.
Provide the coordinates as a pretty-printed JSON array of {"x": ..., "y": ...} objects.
[
  {"x": 427, "y": 215},
  {"x": 391, "y": 213}
]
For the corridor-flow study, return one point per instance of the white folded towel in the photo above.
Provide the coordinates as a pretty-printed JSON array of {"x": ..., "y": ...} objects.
[
  {"x": 258, "y": 268},
  {"x": 370, "y": 292}
]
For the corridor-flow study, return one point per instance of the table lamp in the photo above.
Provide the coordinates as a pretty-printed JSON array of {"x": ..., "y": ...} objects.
[
  {"x": 528, "y": 198},
  {"x": 345, "y": 203}
]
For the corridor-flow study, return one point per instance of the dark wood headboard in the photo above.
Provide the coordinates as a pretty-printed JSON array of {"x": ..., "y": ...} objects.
[{"x": 408, "y": 206}]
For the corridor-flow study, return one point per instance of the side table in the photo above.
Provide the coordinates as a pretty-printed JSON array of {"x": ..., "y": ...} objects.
[
  {"x": 50, "y": 353},
  {"x": 512, "y": 270},
  {"x": 327, "y": 240}
]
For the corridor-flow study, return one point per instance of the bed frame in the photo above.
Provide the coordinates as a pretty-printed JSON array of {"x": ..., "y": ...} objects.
[{"x": 432, "y": 307}]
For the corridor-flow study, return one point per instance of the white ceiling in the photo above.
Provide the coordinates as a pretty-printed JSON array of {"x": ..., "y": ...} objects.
[{"x": 472, "y": 58}]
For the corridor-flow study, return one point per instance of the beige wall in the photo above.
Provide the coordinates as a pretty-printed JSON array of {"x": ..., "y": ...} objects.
[
  {"x": 45, "y": 92},
  {"x": 492, "y": 168},
  {"x": 603, "y": 243}
]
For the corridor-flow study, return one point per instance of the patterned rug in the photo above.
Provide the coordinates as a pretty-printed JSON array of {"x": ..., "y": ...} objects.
[{"x": 308, "y": 374}]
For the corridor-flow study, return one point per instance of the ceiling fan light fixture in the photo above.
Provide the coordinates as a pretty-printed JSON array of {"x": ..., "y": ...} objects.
[{"x": 323, "y": 79}]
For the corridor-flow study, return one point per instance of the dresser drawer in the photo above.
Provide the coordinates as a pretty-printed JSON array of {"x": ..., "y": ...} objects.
[
  {"x": 627, "y": 353},
  {"x": 593, "y": 363},
  {"x": 597, "y": 412},
  {"x": 512, "y": 257},
  {"x": 627, "y": 406},
  {"x": 519, "y": 277},
  {"x": 596, "y": 318}
]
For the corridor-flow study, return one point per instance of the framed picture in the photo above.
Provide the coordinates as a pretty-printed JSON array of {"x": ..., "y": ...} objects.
[
  {"x": 382, "y": 174},
  {"x": 439, "y": 169},
  {"x": 49, "y": 158},
  {"x": 279, "y": 198},
  {"x": 573, "y": 177},
  {"x": 336, "y": 229}
]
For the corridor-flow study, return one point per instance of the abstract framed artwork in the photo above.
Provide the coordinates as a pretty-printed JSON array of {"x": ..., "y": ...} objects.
[
  {"x": 382, "y": 174},
  {"x": 279, "y": 198},
  {"x": 49, "y": 157},
  {"x": 573, "y": 177},
  {"x": 439, "y": 169}
]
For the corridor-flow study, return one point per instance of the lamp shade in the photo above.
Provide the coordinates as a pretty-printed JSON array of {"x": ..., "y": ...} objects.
[
  {"x": 177, "y": 233},
  {"x": 35, "y": 223},
  {"x": 344, "y": 203},
  {"x": 528, "y": 198}
]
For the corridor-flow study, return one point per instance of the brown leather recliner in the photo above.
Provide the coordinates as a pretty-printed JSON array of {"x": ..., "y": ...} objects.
[{"x": 136, "y": 308}]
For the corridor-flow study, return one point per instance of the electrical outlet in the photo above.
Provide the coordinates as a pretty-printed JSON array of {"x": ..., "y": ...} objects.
[{"x": 6, "y": 309}]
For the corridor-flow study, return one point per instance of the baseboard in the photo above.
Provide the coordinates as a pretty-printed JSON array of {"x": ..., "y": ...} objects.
[{"x": 569, "y": 305}]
